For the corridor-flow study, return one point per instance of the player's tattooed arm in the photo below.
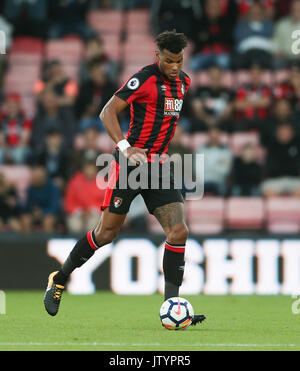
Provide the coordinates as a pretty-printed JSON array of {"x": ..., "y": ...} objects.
[{"x": 170, "y": 215}]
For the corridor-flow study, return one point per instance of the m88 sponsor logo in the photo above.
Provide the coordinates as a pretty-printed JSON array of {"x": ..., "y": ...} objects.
[{"x": 173, "y": 106}]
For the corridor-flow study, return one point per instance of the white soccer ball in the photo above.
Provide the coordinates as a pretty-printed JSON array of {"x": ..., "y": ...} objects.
[{"x": 176, "y": 313}]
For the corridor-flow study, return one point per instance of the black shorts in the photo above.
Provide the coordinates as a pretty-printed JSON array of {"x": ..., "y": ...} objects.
[{"x": 119, "y": 199}]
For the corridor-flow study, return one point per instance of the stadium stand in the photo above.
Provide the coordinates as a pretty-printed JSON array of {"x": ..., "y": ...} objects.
[
  {"x": 283, "y": 215},
  {"x": 206, "y": 216},
  {"x": 128, "y": 39},
  {"x": 245, "y": 213}
]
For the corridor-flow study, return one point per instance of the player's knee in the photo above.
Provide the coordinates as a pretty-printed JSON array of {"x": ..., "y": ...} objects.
[{"x": 178, "y": 234}]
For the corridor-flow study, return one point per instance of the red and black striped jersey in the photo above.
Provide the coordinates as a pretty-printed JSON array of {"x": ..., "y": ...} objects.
[{"x": 155, "y": 105}]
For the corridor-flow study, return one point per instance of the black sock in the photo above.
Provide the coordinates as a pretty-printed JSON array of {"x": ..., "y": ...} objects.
[
  {"x": 173, "y": 266},
  {"x": 81, "y": 253},
  {"x": 171, "y": 290}
]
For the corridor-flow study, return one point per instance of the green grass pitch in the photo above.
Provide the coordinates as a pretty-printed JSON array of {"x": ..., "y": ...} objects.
[{"x": 105, "y": 321}]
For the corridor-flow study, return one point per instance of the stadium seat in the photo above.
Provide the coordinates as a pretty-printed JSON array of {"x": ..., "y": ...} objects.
[
  {"x": 24, "y": 59},
  {"x": 29, "y": 45},
  {"x": 105, "y": 21},
  {"x": 243, "y": 77},
  {"x": 239, "y": 140},
  {"x": 202, "y": 79},
  {"x": 29, "y": 104},
  {"x": 142, "y": 53},
  {"x": 206, "y": 216},
  {"x": 200, "y": 139},
  {"x": 12, "y": 85},
  {"x": 245, "y": 213},
  {"x": 105, "y": 143},
  {"x": 65, "y": 50},
  {"x": 138, "y": 21},
  {"x": 281, "y": 76},
  {"x": 283, "y": 215},
  {"x": 186, "y": 140},
  {"x": 19, "y": 176},
  {"x": 71, "y": 71},
  {"x": 111, "y": 45}
]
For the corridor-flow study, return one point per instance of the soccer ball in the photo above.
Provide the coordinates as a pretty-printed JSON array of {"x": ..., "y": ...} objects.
[{"x": 176, "y": 313}]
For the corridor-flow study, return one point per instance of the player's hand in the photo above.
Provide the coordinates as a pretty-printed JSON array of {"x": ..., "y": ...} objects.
[{"x": 136, "y": 155}]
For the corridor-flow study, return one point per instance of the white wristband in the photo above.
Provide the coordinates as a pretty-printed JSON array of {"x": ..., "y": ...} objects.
[{"x": 123, "y": 145}]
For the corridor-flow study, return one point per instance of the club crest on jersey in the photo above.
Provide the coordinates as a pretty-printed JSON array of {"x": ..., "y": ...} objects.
[
  {"x": 172, "y": 106},
  {"x": 118, "y": 202},
  {"x": 133, "y": 83}
]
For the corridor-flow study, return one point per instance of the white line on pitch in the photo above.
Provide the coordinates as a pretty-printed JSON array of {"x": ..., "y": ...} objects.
[{"x": 93, "y": 344}]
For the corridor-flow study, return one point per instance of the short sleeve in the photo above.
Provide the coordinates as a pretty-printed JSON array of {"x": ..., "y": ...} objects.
[{"x": 133, "y": 87}]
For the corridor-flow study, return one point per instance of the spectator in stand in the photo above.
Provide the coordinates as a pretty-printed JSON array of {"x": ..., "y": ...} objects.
[
  {"x": 54, "y": 158},
  {"x": 282, "y": 8},
  {"x": 175, "y": 14},
  {"x": 90, "y": 150},
  {"x": 68, "y": 17},
  {"x": 9, "y": 206},
  {"x": 82, "y": 208},
  {"x": 94, "y": 93},
  {"x": 213, "y": 104},
  {"x": 253, "y": 38},
  {"x": 94, "y": 50},
  {"x": 290, "y": 89},
  {"x": 15, "y": 132},
  {"x": 282, "y": 163},
  {"x": 55, "y": 79},
  {"x": 212, "y": 37},
  {"x": 217, "y": 164},
  {"x": 246, "y": 173},
  {"x": 43, "y": 203},
  {"x": 28, "y": 17},
  {"x": 283, "y": 40},
  {"x": 282, "y": 113},
  {"x": 229, "y": 9},
  {"x": 244, "y": 7},
  {"x": 50, "y": 116},
  {"x": 252, "y": 102}
]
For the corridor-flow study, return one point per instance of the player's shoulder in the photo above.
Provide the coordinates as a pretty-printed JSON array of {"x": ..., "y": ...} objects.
[
  {"x": 146, "y": 72},
  {"x": 184, "y": 76},
  {"x": 141, "y": 76}
]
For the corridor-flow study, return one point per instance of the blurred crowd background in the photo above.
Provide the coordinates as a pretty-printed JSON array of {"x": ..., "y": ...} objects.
[{"x": 64, "y": 59}]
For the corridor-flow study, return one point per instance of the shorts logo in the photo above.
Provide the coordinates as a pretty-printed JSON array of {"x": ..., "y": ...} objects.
[
  {"x": 173, "y": 106},
  {"x": 118, "y": 202},
  {"x": 133, "y": 83}
]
